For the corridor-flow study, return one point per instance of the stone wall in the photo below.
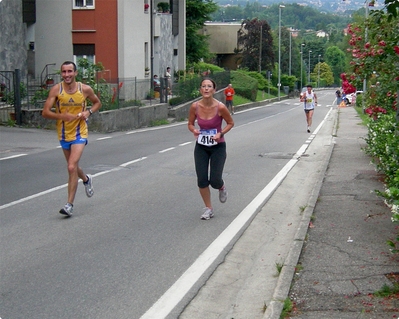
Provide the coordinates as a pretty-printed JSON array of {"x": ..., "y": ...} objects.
[
  {"x": 13, "y": 50},
  {"x": 124, "y": 119}
]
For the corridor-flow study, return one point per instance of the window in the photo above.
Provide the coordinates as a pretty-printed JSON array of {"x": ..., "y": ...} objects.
[
  {"x": 83, "y": 4},
  {"x": 84, "y": 51}
]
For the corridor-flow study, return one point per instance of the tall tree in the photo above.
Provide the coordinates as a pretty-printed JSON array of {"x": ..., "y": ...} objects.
[
  {"x": 255, "y": 42},
  {"x": 336, "y": 59},
  {"x": 197, "y": 12}
]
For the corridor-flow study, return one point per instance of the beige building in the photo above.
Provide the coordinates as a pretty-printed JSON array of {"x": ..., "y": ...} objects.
[{"x": 223, "y": 42}]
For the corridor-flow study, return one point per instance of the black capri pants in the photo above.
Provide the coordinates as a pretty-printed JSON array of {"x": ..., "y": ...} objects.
[{"x": 212, "y": 159}]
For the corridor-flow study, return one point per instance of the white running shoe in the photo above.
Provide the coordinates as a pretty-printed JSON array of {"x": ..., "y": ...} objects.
[
  {"x": 89, "y": 186},
  {"x": 67, "y": 210},
  {"x": 223, "y": 194},
  {"x": 208, "y": 213}
]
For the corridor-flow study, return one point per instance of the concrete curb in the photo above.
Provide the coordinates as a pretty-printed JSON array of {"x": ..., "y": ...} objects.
[{"x": 286, "y": 276}]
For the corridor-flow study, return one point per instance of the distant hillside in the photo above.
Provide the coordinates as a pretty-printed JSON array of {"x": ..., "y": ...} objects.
[
  {"x": 297, "y": 16},
  {"x": 330, "y": 6}
]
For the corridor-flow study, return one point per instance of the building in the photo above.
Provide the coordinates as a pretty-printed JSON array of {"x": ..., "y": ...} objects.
[
  {"x": 126, "y": 36},
  {"x": 223, "y": 42}
]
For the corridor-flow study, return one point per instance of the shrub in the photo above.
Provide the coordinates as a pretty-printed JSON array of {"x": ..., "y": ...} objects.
[{"x": 244, "y": 85}]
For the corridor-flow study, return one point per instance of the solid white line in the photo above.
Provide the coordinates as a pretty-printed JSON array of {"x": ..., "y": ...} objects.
[
  {"x": 103, "y": 138},
  {"x": 167, "y": 150},
  {"x": 173, "y": 296},
  {"x": 13, "y": 156}
]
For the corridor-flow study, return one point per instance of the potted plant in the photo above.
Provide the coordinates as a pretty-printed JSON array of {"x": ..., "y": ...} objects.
[
  {"x": 163, "y": 7},
  {"x": 49, "y": 81}
]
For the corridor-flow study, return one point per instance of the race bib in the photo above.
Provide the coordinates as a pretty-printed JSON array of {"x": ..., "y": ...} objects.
[{"x": 205, "y": 137}]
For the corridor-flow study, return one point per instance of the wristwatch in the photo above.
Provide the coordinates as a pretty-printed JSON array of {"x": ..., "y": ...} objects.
[{"x": 90, "y": 111}]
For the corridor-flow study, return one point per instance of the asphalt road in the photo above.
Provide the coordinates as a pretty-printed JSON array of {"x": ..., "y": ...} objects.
[{"x": 141, "y": 231}]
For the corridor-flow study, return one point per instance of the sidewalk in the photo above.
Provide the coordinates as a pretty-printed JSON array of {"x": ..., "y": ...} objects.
[
  {"x": 328, "y": 269},
  {"x": 345, "y": 257}
]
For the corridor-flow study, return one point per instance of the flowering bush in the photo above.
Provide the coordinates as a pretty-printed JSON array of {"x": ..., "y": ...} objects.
[
  {"x": 383, "y": 147},
  {"x": 374, "y": 49}
]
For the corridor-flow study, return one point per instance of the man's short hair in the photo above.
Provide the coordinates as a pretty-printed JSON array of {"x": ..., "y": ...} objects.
[
  {"x": 309, "y": 86},
  {"x": 68, "y": 63}
]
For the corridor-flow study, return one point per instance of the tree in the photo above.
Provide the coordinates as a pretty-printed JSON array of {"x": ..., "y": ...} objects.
[
  {"x": 197, "y": 12},
  {"x": 336, "y": 59},
  {"x": 250, "y": 39},
  {"x": 326, "y": 75}
]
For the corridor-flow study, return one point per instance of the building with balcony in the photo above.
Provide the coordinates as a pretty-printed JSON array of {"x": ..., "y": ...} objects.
[{"x": 126, "y": 36}]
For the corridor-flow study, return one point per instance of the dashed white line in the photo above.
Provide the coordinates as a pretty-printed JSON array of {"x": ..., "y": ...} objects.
[
  {"x": 132, "y": 162},
  {"x": 13, "y": 156},
  {"x": 167, "y": 150},
  {"x": 65, "y": 185},
  {"x": 182, "y": 144}
]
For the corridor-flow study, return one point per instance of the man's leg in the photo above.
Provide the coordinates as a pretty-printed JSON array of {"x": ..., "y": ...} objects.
[{"x": 73, "y": 156}]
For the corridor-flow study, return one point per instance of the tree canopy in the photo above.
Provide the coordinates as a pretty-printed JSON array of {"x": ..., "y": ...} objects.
[
  {"x": 255, "y": 42},
  {"x": 197, "y": 12}
]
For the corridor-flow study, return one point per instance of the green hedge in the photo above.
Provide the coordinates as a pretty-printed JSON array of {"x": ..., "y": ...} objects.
[{"x": 244, "y": 85}]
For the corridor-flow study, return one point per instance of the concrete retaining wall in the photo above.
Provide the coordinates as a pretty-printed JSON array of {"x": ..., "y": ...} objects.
[
  {"x": 127, "y": 118},
  {"x": 107, "y": 121}
]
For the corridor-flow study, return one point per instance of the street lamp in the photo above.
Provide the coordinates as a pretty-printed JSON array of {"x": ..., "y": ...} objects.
[
  {"x": 310, "y": 51},
  {"x": 260, "y": 48},
  {"x": 279, "y": 49},
  {"x": 318, "y": 75},
  {"x": 302, "y": 45},
  {"x": 365, "y": 41},
  {"x": 289, "y": 72}
]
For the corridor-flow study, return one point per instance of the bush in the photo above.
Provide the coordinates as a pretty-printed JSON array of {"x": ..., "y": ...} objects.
[
  {"x": 244, "y": 85},
  {"x": 262, "y": 82},
  {"x": 176, "y": 100},
  {"x": 202, "y": 67}
]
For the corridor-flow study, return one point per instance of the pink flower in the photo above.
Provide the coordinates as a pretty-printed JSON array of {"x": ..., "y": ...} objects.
[
  {"x": 396, "y": 48},
  {"x": 382, "y": 43}
]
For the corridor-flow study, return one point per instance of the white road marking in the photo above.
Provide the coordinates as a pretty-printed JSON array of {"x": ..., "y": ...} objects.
[
  {"x": 167, "y": 150},
  {"x": 12, "y": 156},
  {"x": 50, "y": 190}
]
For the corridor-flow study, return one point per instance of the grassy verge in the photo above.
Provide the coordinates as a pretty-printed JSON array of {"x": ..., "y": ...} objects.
[{"x": 260, "y": 96}]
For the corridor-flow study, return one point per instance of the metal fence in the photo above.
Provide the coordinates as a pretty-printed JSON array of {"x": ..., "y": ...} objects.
[{"x": 114, "y": 93}]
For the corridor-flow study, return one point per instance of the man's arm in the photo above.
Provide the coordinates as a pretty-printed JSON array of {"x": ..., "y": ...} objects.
[
  {"x": 89, "y": 94},
  {"x": 48, "y": 113}
]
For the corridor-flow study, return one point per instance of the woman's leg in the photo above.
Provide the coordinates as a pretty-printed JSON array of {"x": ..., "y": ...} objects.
[
  {"x": 201, "y": 159},
  {"x": 218, "y": 158}
]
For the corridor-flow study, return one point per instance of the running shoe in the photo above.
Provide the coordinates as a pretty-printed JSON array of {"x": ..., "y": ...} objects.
[
  {"x": 89, "y": 186},
  {"x": 308, "y": 129},
  {"x": 67, "y": 210},
  {"x": 223, "y": 194},
  {"x": 208, "y": 213}
]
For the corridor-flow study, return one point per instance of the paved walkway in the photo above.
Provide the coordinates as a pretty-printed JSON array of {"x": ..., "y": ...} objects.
[{"x": 345, "y": 257}]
